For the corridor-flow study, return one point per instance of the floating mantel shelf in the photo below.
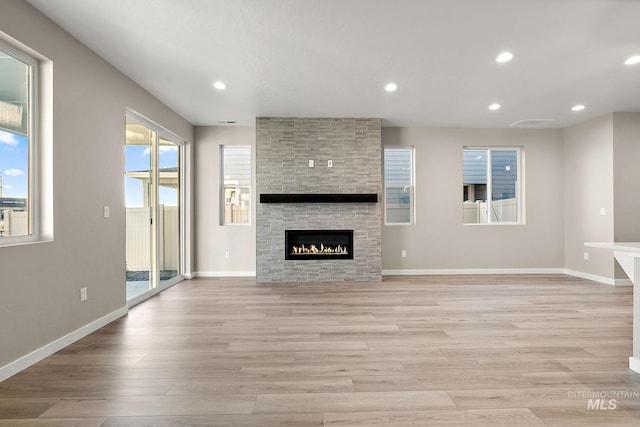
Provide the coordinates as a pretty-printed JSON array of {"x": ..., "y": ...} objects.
[{"x": 319, "y": 198}]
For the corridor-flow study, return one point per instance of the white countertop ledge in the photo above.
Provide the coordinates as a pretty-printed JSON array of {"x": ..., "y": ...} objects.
[{"x": 617, "y": 246}]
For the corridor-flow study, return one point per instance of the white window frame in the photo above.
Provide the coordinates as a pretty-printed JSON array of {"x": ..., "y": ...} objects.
[
  {"x": 412, "y": 192},
  {"x": 33, "y": 141},
  {"x": 520, "y": 202},
  {"x": 247, "y": 187}
]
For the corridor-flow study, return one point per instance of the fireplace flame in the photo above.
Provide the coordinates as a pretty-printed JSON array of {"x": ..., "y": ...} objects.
[{"x": 313, "y": 249}]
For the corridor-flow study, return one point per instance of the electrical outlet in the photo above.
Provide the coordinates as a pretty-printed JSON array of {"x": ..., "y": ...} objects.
[
  {"x": 311, "y": 163},
  {"x": 404, "y": 253},
  {"x": 586, "y": 256},
  {"x": 329, "y": 163},
  {"x": 83, "y": 294},
  {"x": 603, "y": 211},
  {"x": 227, "y": 255}
]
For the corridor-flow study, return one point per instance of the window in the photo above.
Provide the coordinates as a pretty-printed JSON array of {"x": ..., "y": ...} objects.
[
  {"x": 491, "y": 186},
  {"x": 236, "y": 184},
  {"x": 398, "y": 185},
  {"x": 17, "y": 151}
]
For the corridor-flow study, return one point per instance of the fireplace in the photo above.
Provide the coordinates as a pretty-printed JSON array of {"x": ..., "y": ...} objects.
[
  {"x": 318, "y": 244},
  {"x": 293, "y": 196}
]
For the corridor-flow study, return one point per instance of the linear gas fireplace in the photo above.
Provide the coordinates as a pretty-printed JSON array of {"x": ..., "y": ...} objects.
[{"x": 318, "y": 244}]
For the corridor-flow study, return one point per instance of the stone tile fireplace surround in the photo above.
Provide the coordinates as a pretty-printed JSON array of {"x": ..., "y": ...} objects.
[{"x": 284, "y": 147}]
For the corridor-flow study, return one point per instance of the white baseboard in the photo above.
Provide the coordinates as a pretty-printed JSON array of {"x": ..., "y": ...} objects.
[
  {"x": 634, "y": 364},
  {"x": 35, "y": 356},
  {"x": 601, "y": 279},
  {"x": 462, "y": 271},
  {"x": 224, "y": 274},
  {"x": 592, "y": 277},
  {"x": 449, "y": 272}
]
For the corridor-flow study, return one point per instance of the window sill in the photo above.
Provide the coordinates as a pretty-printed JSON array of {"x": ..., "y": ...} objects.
[{"x": 7, "y": 242}]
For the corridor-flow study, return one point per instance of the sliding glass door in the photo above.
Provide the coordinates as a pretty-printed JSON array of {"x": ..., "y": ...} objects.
[
  {"x": 153, "y": 214},
  {"x": 169, "y": 210},
  {"x": 139, "y": 196}
]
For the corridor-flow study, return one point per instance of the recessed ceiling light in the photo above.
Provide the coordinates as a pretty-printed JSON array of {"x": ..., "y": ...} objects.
[
  {"x": 504, "y": 57},
  {"x": 632, "y": 60},
  {"x": 391, "y": 87},
  {"x": 578, "y": 107},
  {"x": 494, "y": 107},
  {"x": 220, "y": 85}
]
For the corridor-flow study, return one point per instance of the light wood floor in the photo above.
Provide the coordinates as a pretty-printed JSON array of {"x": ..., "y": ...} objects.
[{"x": 411, "y": 351}]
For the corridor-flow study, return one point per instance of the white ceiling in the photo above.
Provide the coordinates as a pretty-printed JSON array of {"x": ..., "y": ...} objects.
[{"x": 331, "y": 58}]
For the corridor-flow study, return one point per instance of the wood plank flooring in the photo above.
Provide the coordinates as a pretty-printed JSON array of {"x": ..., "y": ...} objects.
[{"x": 410, "y": 351}]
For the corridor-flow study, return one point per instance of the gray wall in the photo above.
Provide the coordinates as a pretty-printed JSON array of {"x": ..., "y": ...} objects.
[
  {"x": 440, "y": 241},
  {"x": 569, "y": 177},
  {"x": 212, "y": 240},
  {"x": 626, "y": 180},
  {"x": 601, "y": 172},
  {"x": 39, "y": 283},
  {"x": 283, "y": 148},
  {"x": 626, "y": 176},
  {"x": 588, "y": 188}
]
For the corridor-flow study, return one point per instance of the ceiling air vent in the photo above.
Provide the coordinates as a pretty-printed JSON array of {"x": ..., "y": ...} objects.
[{"x": 531, "y": 123}]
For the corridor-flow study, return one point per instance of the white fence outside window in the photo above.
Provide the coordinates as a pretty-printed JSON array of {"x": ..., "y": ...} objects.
[{"x": 139, "y": 238}]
